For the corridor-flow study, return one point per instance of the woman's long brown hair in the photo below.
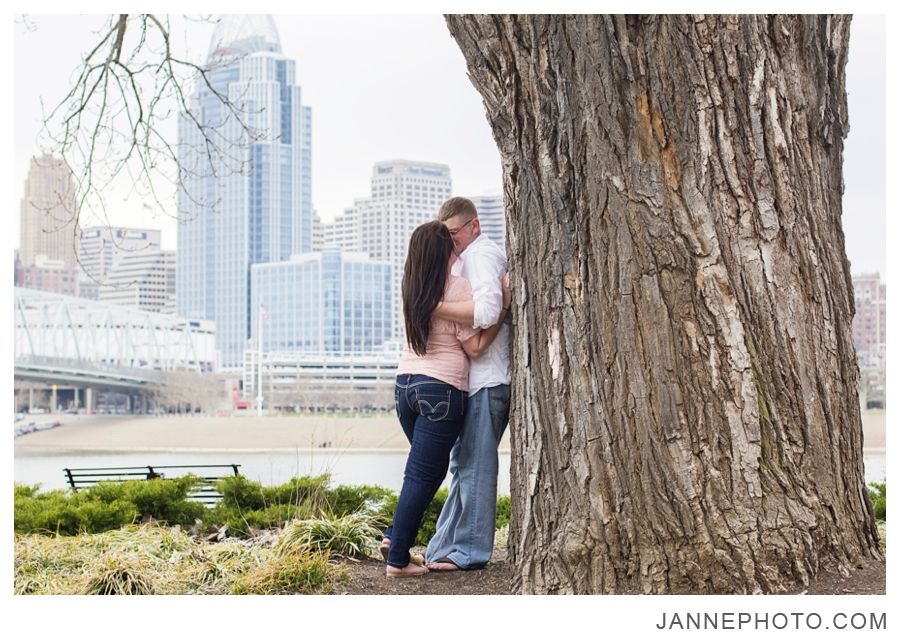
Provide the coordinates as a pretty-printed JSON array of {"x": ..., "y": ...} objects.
[{"x": 424, "y": 278}]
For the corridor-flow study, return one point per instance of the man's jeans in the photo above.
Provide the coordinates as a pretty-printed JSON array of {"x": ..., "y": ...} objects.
[
  {"x": 431, "y": 414},
  {"x": 465, "y": 529}
]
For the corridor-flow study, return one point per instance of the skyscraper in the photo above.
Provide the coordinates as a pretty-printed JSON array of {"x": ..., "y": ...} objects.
[
  {"x": 404, "y": 195},
  {"x": 48, "y": 211},
  {"x": 253, "y": 211}
]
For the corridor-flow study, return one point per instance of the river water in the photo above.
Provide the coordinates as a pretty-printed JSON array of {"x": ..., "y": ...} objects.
[{"x": 351, "y": 468}]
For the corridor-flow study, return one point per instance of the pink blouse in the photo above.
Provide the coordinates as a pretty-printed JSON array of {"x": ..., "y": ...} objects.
[{"x": 444, "y": 357}]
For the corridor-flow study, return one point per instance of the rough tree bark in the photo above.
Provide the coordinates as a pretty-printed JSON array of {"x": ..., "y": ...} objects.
[{"x": 685, "y": 415}]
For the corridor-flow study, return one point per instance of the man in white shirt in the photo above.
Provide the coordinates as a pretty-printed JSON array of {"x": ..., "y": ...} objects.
[{"x": 464, "y": 536}]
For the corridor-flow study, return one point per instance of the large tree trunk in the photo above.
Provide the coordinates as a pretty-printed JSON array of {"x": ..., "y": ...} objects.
[{"x": 685, "y": 415}]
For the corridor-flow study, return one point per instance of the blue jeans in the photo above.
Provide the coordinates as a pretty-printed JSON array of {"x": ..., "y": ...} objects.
[
  {"x": 431, "y": 414},
  {"x": 465, "y": 529}
]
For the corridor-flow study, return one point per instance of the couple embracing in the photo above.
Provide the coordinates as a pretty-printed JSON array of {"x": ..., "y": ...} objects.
[{"x": 452, "y": 391}]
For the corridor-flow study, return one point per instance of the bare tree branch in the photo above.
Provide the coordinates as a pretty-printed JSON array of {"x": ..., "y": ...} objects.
[{"x": 112, "y": 121}]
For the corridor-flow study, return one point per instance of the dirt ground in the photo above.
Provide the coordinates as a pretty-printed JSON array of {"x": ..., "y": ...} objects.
[{"x": 366, "y": 577}]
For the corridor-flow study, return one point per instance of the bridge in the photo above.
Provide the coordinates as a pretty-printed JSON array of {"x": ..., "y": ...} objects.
[{"x": 87, "y": 345}]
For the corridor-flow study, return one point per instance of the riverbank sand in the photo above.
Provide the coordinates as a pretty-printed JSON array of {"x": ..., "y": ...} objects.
[
  {"x": 201, "y": 434},
  {"x": 248, "y": 433}
]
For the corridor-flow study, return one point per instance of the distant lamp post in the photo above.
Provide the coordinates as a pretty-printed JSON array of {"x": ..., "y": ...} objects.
[{"x": 263, "y": 315}]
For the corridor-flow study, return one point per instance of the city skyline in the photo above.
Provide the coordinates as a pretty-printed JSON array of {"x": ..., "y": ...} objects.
[
  {"x": 367, "y": 112},
  {"x": 380, "y": 92}
]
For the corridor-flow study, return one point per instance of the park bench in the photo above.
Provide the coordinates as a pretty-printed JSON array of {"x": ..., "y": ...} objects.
[{"x": 204, "y": 492}]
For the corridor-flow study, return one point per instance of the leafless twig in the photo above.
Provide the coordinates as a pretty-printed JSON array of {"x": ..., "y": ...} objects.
[{"x": 112, "y": 121}]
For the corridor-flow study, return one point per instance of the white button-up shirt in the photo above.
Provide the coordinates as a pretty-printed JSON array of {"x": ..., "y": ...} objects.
[{"x": 483, "y": 263}]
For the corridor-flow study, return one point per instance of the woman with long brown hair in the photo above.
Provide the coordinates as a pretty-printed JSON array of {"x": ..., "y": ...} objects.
[{"x": 432, "y": 384}]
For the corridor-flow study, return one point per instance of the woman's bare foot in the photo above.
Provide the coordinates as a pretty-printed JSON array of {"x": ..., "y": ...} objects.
[
  {"x": 409, "y": 570},
  {"x": 444, "y": 565}
]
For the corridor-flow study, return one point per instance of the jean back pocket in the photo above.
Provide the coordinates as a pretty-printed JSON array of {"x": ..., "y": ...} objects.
[{"x": 433, "y": 404}]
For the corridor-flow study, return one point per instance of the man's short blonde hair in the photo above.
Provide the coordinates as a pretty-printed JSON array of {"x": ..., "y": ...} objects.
[{"x": 457, "y": 206}]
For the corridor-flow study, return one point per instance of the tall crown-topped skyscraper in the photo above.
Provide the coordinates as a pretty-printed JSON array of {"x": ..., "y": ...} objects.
[{"x": 245, "y": 199}]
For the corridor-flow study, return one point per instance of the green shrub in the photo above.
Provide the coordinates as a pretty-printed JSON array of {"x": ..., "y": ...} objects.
[
  {"x": 878, "y": 495},
  {"x": 165, "y": 500},
  {"x": 345, "y": 500},
  {"x": 105, "y": 506},
  {"x": 385, "y": 515},
  {"x": 24, "y": 490},
  {"x": 429, "y": 519},
  {"x": 247, "y": 504},
  {"x": 298, "y": 490},
  {"x": 59, "y": 512},
  {"x": 33, "y": 512},
  {"x": 240, "y": 493},
  {"x": 503, "y": 511},
  {"x": 275, "y": 515},
  {"x": 95, "y": 516}
]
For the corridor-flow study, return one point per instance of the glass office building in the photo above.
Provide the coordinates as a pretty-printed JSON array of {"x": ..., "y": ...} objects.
[
  {"x": 404, "y": 194},
  {"x": 245, "y": 195},
  {"x": 330, "y": 302}
]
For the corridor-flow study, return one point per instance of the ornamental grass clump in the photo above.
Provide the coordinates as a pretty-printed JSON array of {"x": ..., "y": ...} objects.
[
  {"x": 47, "y": 565},
  {"x": 501, "y": 537},
  {"x": 296, "y": 573},
  {"x": 353, "y": 535},
  {"x": 213, "y": 569},
  {"x": 155, "y": 559},
  {"x": 129, "y": 560},
  {"x": 114, "y": 577}
]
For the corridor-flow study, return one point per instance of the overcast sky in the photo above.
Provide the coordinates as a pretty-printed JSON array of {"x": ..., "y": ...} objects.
[{"x": 395, "y": 87}]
